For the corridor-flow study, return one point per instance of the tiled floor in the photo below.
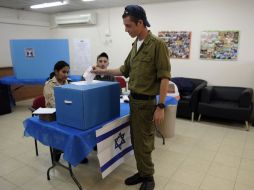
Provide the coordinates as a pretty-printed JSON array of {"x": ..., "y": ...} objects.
[{"x": 201, "y": 156}]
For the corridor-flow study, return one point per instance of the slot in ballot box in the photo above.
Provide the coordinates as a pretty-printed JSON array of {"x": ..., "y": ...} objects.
[{"x": 85, "y": 106}]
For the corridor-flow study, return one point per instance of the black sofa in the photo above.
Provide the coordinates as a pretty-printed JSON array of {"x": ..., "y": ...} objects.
[
  {"x": 232, "y": 103},
  {"x": 189, "y": 90}
]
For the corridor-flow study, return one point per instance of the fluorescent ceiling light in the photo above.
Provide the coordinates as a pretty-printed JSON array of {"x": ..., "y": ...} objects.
[
  {"x": 87, "y": 0},
  {"x": 45, "y": 5}
]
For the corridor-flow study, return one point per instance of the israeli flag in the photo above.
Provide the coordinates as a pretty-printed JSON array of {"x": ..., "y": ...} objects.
[{"x": 113, "y": 144}]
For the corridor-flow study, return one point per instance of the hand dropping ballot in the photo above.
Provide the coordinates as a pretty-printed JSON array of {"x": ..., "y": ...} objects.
[{"x": 88, "y": 76}]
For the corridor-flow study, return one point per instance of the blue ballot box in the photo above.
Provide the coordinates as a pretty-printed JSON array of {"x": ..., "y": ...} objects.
[{"x": 85, "y": 106}]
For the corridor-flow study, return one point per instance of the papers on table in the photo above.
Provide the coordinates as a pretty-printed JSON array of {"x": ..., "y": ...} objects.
[
  {"x": 88, "y": 76},
  {"x": 44, "y": 111}
]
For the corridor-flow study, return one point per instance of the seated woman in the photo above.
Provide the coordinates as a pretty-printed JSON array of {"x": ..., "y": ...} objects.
[{"x": 57, "y": 78}]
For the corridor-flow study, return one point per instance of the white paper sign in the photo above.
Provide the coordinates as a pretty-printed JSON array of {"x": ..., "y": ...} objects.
[{"x": 82, "y": 56}]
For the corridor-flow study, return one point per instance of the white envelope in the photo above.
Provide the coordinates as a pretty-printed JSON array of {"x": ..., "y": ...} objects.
[{"x": 88, "y": 76}]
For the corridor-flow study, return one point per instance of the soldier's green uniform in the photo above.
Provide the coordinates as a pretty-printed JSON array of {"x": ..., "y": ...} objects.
[{"x": 145, "y": 67}]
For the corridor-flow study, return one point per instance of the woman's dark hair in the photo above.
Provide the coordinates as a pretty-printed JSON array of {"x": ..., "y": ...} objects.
[
  {"x": 58, "y": 66},
  {"x": 103, "y": 54}
]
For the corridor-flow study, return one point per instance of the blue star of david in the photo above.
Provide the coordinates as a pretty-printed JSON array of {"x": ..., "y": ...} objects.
[{"x": 119, "y": 141}]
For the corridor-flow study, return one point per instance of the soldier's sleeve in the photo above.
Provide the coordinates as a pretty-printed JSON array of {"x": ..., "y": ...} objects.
[
  {"x": 125, "y": 68},
  {"x": 163, "y": 62},
  {"x": 48, "y": 93}
]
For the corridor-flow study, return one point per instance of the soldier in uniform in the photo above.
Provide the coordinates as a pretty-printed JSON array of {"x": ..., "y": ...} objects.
[{"x": 148, "y": 69}]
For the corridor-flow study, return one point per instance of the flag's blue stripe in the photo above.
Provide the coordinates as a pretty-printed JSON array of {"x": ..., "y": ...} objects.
[
  {"x": 110, "y": 133},
  {"x": 115, "y": 158}
]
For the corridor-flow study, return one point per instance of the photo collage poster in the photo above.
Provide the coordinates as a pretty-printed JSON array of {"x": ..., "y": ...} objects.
[
  {"x": 178, "y": 43},
  {"x": 219, "y": 45}
]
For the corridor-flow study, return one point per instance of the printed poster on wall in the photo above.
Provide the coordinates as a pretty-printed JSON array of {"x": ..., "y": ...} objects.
[
  {"x": 178, "y": 43},
  {"x": 219, "y": 45},
  {"x": 82, "y": 56}
]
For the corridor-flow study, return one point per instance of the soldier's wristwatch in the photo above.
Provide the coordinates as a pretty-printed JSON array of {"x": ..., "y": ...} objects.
[{"x": 161, "y": 105}]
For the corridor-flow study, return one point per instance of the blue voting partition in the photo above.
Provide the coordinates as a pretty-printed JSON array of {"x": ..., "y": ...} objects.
[{"x": 35, "y": 59}]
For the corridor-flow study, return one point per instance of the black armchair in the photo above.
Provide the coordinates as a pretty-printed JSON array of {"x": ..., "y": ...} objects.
[
  {"x": 232, "y": 103},
  {"x": 189, "y": 90}
]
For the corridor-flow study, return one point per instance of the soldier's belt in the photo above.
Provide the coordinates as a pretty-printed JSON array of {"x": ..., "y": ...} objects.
[{"x": 142, "y": 96}]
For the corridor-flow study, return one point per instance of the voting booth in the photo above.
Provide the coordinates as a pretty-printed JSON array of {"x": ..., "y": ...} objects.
[
  {"x": 35, "y": 59},
  {"x": 85, "y": 106}
]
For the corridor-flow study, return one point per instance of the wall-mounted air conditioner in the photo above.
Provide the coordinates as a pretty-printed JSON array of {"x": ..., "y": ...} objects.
[{"x": 75, "y": 18}]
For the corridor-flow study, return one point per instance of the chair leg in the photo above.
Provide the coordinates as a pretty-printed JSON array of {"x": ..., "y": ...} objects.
[
  {"x": 199, "y": 117},
  {"x": 36, "y": 147},
  {"x": 192, "y": 116},
  {"x": 247, "y": 125}
]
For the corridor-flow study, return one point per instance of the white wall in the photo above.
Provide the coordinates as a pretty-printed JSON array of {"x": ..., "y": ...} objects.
[
  {"x": 20, "y": 25},
  {"x": 195, "y": 16},
  {"x": 108, "y": 20}
]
